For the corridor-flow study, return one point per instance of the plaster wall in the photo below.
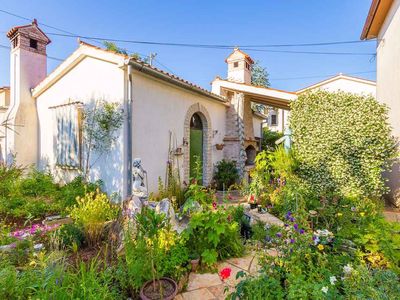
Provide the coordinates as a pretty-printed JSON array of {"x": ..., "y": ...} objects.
[
  {"x": 90, "y": 80},
  {"x": 350, "y": 86},
  {"x": 160, "y": 108},
  {"x": 388, "y": 82}
]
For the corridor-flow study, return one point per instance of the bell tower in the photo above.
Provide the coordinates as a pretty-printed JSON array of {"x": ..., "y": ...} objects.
[
  {"x": 28, "y": 67},
  {"x": 239, "y": 66}
]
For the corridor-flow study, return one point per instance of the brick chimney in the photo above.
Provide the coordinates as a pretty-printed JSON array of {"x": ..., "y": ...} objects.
[
  {"x": 28, "y": 67},
  {"x": 239, "y": 66}
]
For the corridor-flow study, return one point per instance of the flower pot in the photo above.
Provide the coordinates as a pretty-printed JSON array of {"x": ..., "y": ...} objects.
[
  {"x": 219, "y": 146},
  {"x": 150, "y": 292},
  {"x": 195, "y": 264}
]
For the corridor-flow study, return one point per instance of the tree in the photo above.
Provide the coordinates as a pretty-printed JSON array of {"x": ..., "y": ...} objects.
[
  {"x": 259, "y": 75},
  {"x": 113, "y": 47},
  {"x": 100, "y": 124}
]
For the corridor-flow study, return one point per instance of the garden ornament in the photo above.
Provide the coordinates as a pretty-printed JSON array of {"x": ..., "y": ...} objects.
[
  {"x": 286, "y": 139},
  {"x": 138, "y": 187}
]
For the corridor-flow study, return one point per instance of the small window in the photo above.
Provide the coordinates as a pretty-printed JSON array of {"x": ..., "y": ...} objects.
[
  {"x": 33, "y": 43},
  {"x": 67, "y": 143},
  {"x": 247, "y": 66},
  {"x": 235, "y": 64},
  {"x": 274, "y": 121}
]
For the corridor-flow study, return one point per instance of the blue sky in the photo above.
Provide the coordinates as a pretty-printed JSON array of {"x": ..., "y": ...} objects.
[{"x": 209, "y": 22}]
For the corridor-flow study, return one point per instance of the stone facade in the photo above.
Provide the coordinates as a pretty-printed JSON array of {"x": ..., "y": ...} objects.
[
  {"x": 235, "y": 131},
  {"x": 207, "y": 140}
]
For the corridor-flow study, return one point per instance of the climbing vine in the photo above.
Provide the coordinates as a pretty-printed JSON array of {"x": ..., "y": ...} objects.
[{"x": 343, "y": 142}]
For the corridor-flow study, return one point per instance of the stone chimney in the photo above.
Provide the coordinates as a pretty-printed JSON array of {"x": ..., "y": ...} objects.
[
  {"x": 239, "y": 66},
  {"x": 28, "y": 67}
]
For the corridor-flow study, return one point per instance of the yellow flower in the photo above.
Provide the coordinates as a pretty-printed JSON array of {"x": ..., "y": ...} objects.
[
  {"x": 339, "y": 214},
  {"x": 320, "y": 247},
  {"x": 362, "y": 214}
]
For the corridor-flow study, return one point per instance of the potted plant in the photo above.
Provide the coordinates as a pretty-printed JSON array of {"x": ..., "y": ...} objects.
[{"x": 149, "y": 224}]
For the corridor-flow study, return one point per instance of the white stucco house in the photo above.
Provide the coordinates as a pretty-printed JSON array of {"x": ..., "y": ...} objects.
[
  {"x": 167, "y": 120},
  {"x": 162, "y": 114},
  {"x": 383, "y": 24}
]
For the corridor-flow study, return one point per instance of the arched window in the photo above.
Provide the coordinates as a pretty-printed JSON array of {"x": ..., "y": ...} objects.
[
  {"x": 195, "y": 122},
  {"x": 251, "y": 155}
]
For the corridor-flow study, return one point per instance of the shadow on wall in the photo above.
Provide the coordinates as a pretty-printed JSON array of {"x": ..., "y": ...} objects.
[{"x": 107, "y": 166}]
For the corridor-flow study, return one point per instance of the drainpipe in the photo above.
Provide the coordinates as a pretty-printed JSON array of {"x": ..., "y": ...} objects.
[{"x": 128, "y": 114}]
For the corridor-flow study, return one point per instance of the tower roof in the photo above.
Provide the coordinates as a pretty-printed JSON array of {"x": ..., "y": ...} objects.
[
  {"x": 237, "y": 53},
  {"x": 27, "y": 30}
]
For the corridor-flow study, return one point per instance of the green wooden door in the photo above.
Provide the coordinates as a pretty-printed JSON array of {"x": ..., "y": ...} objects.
[{"x": 196, "y": 147}]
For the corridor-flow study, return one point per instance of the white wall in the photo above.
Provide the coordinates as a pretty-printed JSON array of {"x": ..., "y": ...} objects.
[
  {"x": 89, "y": 80},
  {"x": 388, "y": 79},
  {"x": 257, "y": 126},
  {"x": 350, "y": 86},
  {"x": 159, "y": 108},
  {"x": 282, "y": 117}
]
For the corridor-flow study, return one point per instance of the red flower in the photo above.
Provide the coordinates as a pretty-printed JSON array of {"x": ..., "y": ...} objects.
[
  {"x": 225, "y": 273},
  {"x": 252, "y": 199},
  {"x": 214, "y": 205}
]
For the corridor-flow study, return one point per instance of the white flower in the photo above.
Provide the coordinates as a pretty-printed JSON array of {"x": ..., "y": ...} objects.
[
  {"x": 333, "y": 280},
  {"x": 347, "y": 269},
  {"x": 325, "y": 289}
]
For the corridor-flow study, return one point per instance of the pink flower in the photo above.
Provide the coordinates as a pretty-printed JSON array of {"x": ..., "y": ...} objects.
[
  {"x": 225, "y": 273},
  {"x": 214, "y": 205}
]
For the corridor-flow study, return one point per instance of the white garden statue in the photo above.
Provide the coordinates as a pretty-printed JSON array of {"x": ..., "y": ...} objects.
[{"x": 138, "y": 175}]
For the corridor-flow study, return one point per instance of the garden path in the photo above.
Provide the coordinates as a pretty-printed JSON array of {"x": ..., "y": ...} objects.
[{"x": 209, "y": 286}]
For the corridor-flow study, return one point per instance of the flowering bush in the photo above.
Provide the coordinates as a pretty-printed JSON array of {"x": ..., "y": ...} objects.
[
  {"x": 349, "y": 149},
  {"x": 91, "y": 212}
]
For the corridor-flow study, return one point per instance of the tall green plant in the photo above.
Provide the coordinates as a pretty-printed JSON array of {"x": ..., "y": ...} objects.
[{"x": 101, "y": 122}]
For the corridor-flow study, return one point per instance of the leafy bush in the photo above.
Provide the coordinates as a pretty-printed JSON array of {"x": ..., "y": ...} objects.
[
  {"x": 92, "y": 212},
  {"x": 156, "y": 251},
  {"x": 69, "y": 235},
  {"x": 343, "y": 143},
  {"x": 226, "y": 174},
  {"x": 37, "y": 183},
  {"x": 35, "y": 195},
  {"x": 269, "y": 138},
  {"x": 212, "y": 235}
]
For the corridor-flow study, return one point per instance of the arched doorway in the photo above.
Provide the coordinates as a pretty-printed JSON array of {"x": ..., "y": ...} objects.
[
  {"x": 206, "y": 153},
  {"x": 196, "y": 147},
  {"x": 251, "y": 155}
]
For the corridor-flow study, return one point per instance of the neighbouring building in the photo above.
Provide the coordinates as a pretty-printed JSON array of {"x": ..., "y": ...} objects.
[
  {"x": 383, "y": 24},
  {"x": 345, "y": 83}
]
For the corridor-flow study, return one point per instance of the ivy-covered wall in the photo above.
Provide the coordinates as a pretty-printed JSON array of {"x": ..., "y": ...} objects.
[{"x": 343, "y": 142}]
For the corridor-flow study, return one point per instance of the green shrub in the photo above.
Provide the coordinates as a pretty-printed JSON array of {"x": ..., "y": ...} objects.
[
  {"x": 156, "y": 251},
  {"x": 212, "y": 235},
  {"x": 9, "y": 177},
  {"x": 343, "y": 142},
  {"x": 68, "y": 236},
  {"x": 92, "y": 212},
  {"x": 37, "y": 183},
  {"x": 269, "y": 138},
  {"x": 68, "y": 193},
  {"x": 226, "y": 174}
]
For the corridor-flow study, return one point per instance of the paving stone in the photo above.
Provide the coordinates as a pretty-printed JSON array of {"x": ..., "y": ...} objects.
[
  {"x": 218, "y": 291},
  {"x": 198, "y": 281},
  {"x": 199, "y": 294},
  {"x": 243, "y": 262}
]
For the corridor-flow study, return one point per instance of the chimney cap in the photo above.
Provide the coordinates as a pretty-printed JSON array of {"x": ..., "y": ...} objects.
[{"x": 34, "y": 25}]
